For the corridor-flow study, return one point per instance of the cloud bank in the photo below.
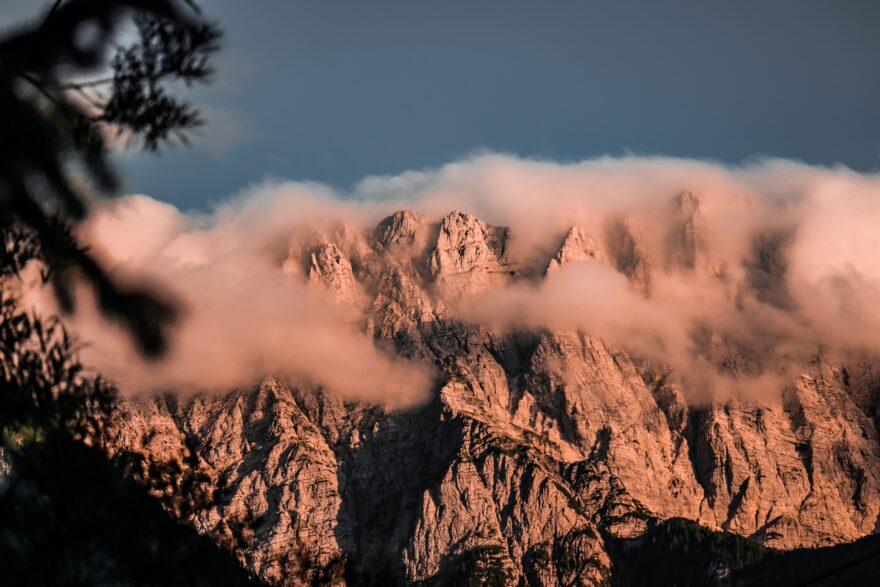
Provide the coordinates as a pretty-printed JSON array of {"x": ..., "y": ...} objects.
[
  {"x": 766, "y": 261},
  {"x": 243, "y": 317}
]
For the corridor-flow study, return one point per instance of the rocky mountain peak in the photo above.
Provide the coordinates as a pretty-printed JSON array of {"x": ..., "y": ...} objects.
[
  {"x": 627, "y": 253},
  {"x": 469, "y": 255},
  {"x": 687, "y": 204},
  {"x": 684, "y": 245},
  {"x": 403, "y": 229},
  {"x": 577, "y": 247},
  {"x": 330, "y": 268}
]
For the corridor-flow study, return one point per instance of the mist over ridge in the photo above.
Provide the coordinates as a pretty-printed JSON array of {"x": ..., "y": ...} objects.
[{"x": 674, "y": 260}]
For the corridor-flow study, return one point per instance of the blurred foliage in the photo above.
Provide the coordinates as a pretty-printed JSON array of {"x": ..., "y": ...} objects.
[
  {"x": 68, "y": 517},
  {"x": 42, "y": 385},
  {"x": 66, "y": 86},
  {"x": 68, "y": 514}
]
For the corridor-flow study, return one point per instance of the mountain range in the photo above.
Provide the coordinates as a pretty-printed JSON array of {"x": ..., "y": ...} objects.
[{"x": 542, "y": 455}]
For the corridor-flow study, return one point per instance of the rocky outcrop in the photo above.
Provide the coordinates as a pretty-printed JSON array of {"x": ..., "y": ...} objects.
[
  {"x": 405, "y": 231},
  {"x": 469, "y": 254},
  {"x": 684, "y": 241},
  {"x": 269, "y": 489},
  {"x": 627, "y": 253},
  {"x": 577, "y": 247},
  {"x": 537, "y": 449}
]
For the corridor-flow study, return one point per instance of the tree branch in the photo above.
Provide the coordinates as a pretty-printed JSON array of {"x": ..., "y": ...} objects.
[
  {"x": 50, "y": 13},
  {"x": 86, "y": 84},
  {"x": 66, "y": 108}
]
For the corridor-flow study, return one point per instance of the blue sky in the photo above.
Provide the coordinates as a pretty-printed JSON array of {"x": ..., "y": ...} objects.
[{"x": 333, "y": 91}]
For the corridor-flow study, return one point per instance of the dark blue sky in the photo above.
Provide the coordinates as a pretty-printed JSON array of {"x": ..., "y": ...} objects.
[{"x": 332, "y": 91}]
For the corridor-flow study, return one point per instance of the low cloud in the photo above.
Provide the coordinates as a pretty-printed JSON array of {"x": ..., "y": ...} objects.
[
  {"x": 779, "y": 259},
  {"x": 243, "y": 318}
]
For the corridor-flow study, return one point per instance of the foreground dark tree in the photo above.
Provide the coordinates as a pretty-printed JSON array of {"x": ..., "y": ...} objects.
[
  {"x": 68, "y": 515},
  {"x": 65, "y": 87}
]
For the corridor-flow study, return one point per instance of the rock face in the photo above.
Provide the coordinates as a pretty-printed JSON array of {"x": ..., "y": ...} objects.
[
  {"x": 536, "y": 449},
  {"x": 577, "y": 247},
  {"x": 469, "y": 255}
]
